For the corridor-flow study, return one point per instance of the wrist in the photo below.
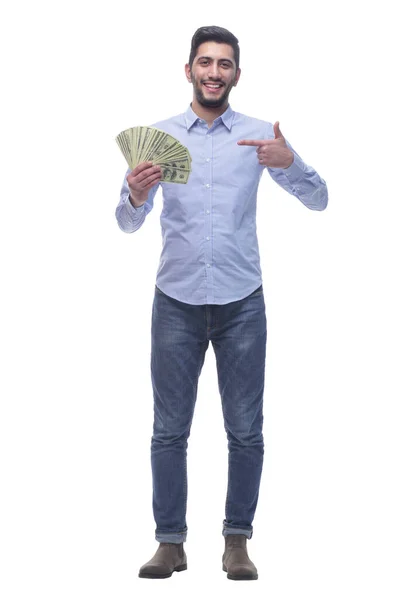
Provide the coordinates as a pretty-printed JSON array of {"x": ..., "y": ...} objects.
[
  {"x": 134, "y": 203},
  {"x": 291, "y": 160}
]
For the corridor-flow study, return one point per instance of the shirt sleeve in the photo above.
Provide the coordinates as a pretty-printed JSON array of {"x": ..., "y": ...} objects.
[
  {"x": 302, "y": 181},
  {"x": 129, "y": 218}
]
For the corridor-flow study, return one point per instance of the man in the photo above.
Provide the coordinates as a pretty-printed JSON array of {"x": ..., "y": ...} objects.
[{"x": 209, "y": 287}]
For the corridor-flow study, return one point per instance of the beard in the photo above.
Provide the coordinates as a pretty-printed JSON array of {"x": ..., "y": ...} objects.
[{"x": 211, "y": 102}]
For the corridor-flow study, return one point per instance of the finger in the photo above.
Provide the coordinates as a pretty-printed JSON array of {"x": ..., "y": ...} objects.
[
  {"x": 252, "y": 142},
  {"x": 141, "y": 167},
  {"x": 151, "y": 178},
  {"x": 150, "y": 181},
  {"x": 147, "y": 172},
  {"x": 277, "y": 131}
]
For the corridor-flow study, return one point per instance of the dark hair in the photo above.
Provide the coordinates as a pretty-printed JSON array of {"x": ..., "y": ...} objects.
[{"x": 214, "y": 34}]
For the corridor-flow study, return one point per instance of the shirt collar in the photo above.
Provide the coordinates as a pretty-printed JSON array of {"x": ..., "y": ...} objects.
[{"x": 226, "y": 117}]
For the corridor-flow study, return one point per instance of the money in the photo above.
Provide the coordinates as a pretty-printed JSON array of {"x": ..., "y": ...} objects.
[{"x": 143, "y": 144}]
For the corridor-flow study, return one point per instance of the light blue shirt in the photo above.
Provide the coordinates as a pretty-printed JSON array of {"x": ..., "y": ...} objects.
[{"x": 210, "y": 251}]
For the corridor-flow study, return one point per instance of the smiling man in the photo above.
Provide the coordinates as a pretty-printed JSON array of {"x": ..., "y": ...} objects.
[
  {"x": 209, "y": 288},
  {"x": 213, "y": 73}
]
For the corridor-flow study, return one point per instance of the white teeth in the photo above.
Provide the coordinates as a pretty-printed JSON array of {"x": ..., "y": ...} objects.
[{"x": 215, "y": 86}]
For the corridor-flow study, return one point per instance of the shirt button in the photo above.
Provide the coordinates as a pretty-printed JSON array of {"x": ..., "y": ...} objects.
[
  {"x": 208, "y": 212},
  {"x": 208, "y": 265},
  {"x": 207, "y": 238},
  {"x": 207, "y": 185},
  {"x": 207, "y": 160}
]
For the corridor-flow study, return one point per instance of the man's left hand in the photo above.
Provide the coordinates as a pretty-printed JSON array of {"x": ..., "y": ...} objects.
[{"x": 272, "y": 153}]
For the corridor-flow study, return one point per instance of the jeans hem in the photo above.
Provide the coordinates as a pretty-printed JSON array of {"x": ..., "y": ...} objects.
[
  {"x": 171, "y": 538},
  {"x": 229, "y": 530}
]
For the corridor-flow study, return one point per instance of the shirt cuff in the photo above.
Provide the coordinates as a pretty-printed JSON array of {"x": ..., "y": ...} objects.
[
  {"x": 295, "y": 170},
  {"x": 131, "y": 209}
]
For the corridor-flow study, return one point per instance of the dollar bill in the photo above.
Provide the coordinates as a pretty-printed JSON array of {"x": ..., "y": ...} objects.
[
  {"x": 171, "y": 175},
  {"x": 182, "y": 165},
  {"x": 142, "y": 144},
  {"x": 124, "y": 146}
]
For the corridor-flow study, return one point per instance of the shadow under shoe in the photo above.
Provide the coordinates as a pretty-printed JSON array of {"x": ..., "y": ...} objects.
[
  {"x": 235, "y": 561},
  {"x": 167, "y": 559}
]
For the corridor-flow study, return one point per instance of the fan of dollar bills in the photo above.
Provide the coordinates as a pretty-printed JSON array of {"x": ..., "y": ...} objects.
[{"x": 142, "y": 144}]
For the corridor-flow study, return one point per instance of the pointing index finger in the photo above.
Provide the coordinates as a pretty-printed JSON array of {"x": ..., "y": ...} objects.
[{"x": 252, "y": 142}]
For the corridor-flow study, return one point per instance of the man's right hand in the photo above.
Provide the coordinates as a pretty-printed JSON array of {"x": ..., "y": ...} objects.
[{"x": 140, "y": 180}]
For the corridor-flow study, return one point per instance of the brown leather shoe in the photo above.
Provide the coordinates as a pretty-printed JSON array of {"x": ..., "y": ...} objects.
[
  {"x": 167, "y": 559},
  {"x": 235, "y": 560}
]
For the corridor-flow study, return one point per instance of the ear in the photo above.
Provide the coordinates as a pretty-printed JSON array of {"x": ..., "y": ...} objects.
[
  {"x": 188, "y": 73},
  {"x": 237, "y": 76}
]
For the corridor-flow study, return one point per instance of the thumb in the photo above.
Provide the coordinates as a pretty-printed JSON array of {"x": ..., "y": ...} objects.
[{"x": 277, "y": 131}]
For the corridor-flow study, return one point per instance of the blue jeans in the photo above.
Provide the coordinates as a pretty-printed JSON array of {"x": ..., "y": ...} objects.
[{"x": 180, "y": 335}]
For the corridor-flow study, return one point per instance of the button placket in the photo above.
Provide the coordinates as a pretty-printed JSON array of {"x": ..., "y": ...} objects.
[{"x": 208, "y": 225}]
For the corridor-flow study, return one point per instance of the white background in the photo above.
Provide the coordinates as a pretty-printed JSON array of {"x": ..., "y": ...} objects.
[{"x": 76, "y": 397}]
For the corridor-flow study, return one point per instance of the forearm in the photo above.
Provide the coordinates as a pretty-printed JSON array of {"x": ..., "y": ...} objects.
[
  {"x": 302, "y": 181},
  {"x": 129, "y": 218}
]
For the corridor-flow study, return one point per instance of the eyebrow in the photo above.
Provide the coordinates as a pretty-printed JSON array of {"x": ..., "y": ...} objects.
[{"x": 220, "y": 60}]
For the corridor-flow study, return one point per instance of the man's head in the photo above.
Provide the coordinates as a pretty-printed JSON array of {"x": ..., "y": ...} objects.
[{"x": 213, "y": 66}]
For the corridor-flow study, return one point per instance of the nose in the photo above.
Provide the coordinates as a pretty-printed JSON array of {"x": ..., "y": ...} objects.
[{"x": 213, "y": 70}]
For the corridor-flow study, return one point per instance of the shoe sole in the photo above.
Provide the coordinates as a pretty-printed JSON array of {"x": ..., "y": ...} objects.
[
  {"x": 239, "y": 577},
  {"x": 163, "y": 575}
]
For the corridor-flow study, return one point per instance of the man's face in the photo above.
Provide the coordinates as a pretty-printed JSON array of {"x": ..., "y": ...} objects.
[{"x": 213, "y": 74}]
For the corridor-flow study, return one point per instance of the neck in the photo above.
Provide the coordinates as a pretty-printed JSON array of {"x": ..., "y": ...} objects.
[{"x": 208, "y": 113}]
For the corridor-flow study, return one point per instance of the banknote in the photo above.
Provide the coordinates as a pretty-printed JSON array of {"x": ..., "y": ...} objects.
[
  {"x": 170, "y": 175},
  {"x": 142, "y": 144}
]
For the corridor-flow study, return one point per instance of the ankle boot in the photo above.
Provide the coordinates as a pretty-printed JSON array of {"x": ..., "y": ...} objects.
[
  {"x": 235, "y": 560},
  {"x": 167, "y": 559}
]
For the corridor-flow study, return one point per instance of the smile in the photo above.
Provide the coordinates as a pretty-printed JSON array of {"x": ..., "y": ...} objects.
[{"x": 213, "y": 86}]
